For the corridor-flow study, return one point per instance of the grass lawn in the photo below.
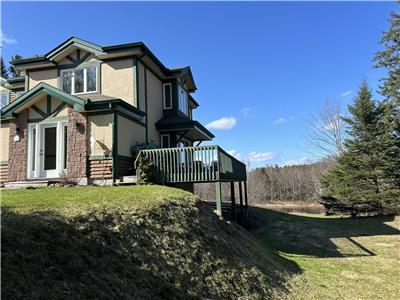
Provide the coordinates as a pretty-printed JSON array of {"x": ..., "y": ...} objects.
[
  {"x": 338, "y": 258},
  {"x": 73, "y": 199}
]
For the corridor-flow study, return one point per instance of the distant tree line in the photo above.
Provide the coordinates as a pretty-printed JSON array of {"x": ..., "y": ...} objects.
[
  {"x": 288, "y": 183},
  {"x": 296, "y": 184}
]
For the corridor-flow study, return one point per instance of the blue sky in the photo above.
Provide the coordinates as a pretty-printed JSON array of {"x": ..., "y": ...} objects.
[{"x": 261, "y": 67}]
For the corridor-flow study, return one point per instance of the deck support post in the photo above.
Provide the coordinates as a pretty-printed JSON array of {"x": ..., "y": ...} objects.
[
  {"x": 245, "y": 197},
  {"x": 241, "y": 201},
  {"x": 218, "y": 198},
  {"x": 233, "y": 200}
]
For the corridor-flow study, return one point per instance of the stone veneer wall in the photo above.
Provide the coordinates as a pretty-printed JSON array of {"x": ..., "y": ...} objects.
[
  {"x": 3, "y": 173},
  {"x": 17, "y": 155},
  {"x": 77, "y": 146},
  {"x": 100, "y": 168}
]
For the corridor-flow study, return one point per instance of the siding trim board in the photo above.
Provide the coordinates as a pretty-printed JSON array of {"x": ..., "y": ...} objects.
[
  {"x": 136, "y": 64},
  {"x": 145, "y": 104},
  {"x": 114, "y": 146}
]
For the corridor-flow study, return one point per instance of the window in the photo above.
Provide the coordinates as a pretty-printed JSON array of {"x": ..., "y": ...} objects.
[
  {"x": 19, "y": 94},
  {"x": 79, "y": 80},
  {"x": 165, "y": 142},
  {"x": 167, "y": 95},
  {"x": 4, "y": 98},
  {"x": 183, "y": 101}
]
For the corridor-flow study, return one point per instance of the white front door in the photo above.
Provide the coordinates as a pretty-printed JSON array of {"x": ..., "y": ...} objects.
[{"x": 47, "y": 150}]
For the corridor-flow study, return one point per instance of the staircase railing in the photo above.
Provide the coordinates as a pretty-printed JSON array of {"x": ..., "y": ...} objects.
[{"x": 194, "y": 164}]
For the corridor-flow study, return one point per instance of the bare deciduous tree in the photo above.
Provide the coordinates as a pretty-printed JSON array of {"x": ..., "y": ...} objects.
[{"x": 326, "y": 133}]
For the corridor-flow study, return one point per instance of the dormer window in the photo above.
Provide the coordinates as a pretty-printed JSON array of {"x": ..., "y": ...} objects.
[{"x": 79, "y": 81}]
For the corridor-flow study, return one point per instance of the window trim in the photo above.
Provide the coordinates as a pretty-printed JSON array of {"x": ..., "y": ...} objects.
[
  {"x": 169, "y": 140},
  {"x": 84, "y": 68},
  {"x": 170, "y": 95}
]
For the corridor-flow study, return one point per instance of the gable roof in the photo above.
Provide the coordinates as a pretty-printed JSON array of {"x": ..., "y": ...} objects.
[
  {"x": 103, "y": 52},
  {"x": 42, "y": 88},
  {"x": 74, "y": 42}
]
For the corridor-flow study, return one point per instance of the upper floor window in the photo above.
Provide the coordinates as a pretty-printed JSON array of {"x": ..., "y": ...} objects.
[
  {"x": 167, "y": 95},
  {"x": 183, "y": 100},
  {"x": 4, "y": 98},
  {"x": 79, "y": 81}
]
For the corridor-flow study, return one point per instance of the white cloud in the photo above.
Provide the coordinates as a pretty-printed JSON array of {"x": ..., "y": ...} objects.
[
  {"x": 346, "y": 93},
  {"x": 5, "y": 40},
  {"x": 280, "y": 120},
  {"x": 260, "y": 156},
  {"x": 255, "y": 158},
  {"x": 247, "y": 112},
  {"x": 298, "y": 161},
  {"x": 225, "y": 123}
]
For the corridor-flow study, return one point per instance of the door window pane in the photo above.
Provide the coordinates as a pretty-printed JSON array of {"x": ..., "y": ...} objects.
[
  {"x": 91, "y": 79},
  {"x": 50, "y": 148},
  {"x": 78, "y": 81},
  {"x": 67, "y": 82}
]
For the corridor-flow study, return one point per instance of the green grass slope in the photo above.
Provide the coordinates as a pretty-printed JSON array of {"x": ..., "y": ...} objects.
[
  {"x": 126, "y": 243},
  {"x": 340, "y": 258}
]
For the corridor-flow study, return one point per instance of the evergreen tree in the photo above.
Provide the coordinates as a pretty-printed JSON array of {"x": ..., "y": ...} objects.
[
  {"x": 355, "y": 184},
  {"x": 4, "y": 72},
  {"x": 389, "y": 153},
  {"x": 13, "y": 70},
  {"x": 389, "y": 58}
]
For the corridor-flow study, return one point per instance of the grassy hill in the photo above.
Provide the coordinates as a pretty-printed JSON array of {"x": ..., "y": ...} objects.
[
  {"x": 339, "y": 258},
  {"x": 120, "y": 242}
]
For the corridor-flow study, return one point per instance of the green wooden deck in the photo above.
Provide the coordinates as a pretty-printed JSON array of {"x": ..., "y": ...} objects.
[
  {"x": 199, "y": 165},
  {"x": 195, "y": 164}
]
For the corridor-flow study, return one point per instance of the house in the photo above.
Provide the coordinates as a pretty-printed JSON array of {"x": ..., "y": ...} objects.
[{"x": 81, "y": 107}]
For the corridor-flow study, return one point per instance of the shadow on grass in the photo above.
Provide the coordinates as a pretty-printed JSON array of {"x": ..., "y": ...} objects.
[
  {"x": 314, "y": 236},
  {"x": 174, "y": 252}
]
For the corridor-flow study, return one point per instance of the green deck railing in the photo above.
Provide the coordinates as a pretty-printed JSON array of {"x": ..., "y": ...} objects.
[{"x": 194, "y": 164}]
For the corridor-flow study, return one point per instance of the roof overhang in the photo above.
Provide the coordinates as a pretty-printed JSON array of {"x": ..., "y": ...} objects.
[
  {"x": 192, "y": 129},
  {"x": 138, "y": 49},
  {"x": 15, "y": 83},
  {"x": 186, "y": 76},
  {"x": 24, "y": 101},
  {"x": 192, "y": 102},
  {"x": 117, "y": 105}
]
